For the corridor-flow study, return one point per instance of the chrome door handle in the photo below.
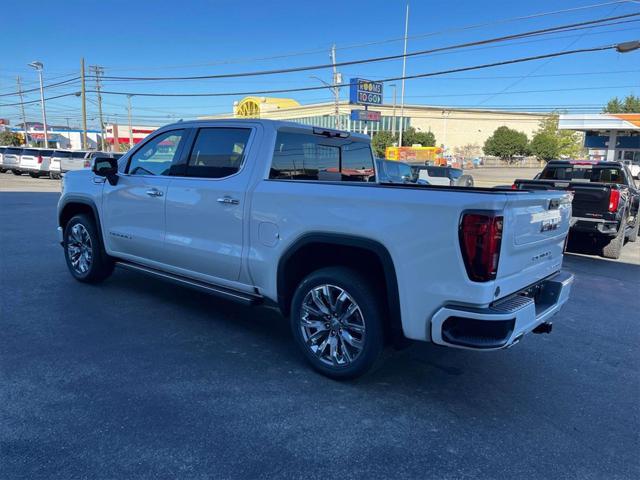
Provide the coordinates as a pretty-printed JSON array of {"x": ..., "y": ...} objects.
[
  {"x": 154, "y": 192},
  {"x": 228, "y": 200}
]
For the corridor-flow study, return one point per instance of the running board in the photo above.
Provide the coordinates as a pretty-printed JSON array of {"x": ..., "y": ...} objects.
[{"x": 224, "y": 292}]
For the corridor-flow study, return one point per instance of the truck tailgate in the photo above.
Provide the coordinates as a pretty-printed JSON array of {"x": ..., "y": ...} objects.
[
  {"x": 590, "y": 200},
  {"x": 535, "y": 228}
]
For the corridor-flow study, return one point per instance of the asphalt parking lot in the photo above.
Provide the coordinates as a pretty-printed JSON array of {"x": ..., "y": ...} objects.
[{"x": 138, "y": 378}]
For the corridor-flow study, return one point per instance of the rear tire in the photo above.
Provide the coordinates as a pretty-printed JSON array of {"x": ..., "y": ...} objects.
[
  {"x": 16, "y": 172},
  {"x": 54, "y": 176},
  {"x": 34, "y": 175},
  {"x": 84, "y": 252},
  {"x": 337, "y": 322},
  {"x": 614, "y": 247}
]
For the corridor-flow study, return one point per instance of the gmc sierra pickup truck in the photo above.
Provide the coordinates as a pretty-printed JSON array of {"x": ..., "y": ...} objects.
[
  {"x": 260, "y": 212},
  {"x": 605, "y": 203}
]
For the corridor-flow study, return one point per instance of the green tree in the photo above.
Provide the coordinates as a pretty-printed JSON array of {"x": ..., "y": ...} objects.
[
  {"x": 10, "y": 139},
  {"x": 381, "y": 141},
  {"x": 545, "y": 146},
  {"x": 630, "y": 104},
  {"x": 506, "y": 143},
  {"x": 412, "y": 137},
  {"x": 569, "y": 143}
]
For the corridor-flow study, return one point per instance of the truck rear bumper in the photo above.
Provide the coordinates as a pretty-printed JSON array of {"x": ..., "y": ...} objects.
[
  {"x": 594, "y": 225},
  {"x": 504, "y": 322}
]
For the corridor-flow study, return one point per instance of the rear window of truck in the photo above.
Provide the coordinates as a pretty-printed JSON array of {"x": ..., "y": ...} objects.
[
  {"x": 302, "y": 156},
  {"x": 29, "y": 151},
  {"x": 597, "y": 174}
]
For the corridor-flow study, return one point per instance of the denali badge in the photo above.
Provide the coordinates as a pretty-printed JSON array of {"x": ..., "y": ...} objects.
[{"x": 550, "y": 224}]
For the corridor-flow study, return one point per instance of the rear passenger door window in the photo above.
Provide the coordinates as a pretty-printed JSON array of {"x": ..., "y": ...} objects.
[
  {"x": 157, "y": 155},
  {"x": 218, "y": 152},
  {"x": 302, "y": 156}
]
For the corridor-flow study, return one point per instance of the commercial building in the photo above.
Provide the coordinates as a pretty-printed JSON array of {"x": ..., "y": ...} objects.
[
  {"x": 453, "y": 127},
  {"x": 116, "y": 134},
  {"x": 608, "y": 136},
  {"x": 58, "y": 136}
]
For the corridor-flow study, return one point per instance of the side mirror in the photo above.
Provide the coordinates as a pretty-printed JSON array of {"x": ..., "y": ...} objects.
[{"x": 106, "y": 167}]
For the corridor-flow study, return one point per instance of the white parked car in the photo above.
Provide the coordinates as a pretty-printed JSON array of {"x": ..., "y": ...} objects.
[
  {"x": 260, "y": 211},
  {"x": 35, "y": 161}
]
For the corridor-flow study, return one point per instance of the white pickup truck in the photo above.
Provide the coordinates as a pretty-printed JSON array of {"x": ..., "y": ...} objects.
[{"x": 292, "y": 216}]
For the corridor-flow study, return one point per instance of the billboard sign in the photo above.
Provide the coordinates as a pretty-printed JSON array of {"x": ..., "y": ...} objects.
[
  {"x": 366, "y": 115},
  {"x": 365, "y": 92}
]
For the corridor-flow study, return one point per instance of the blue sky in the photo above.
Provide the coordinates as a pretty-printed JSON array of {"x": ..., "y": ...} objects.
[{"x": 161, "y": 38}]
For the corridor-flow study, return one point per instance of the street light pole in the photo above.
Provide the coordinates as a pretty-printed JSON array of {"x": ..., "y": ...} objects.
[
  {"x": 393, "y": 122},
  {"x": 38, "y": 66},
  {"x": 404, "y": 71}
]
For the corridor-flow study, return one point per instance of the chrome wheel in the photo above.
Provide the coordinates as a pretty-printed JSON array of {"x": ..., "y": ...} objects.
[
  {"x": 332, "y": 325},
  {"x": 79, "y": 249}
]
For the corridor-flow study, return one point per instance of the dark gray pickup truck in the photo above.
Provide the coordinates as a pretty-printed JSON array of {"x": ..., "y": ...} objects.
[{"x": 605, "y": 199}]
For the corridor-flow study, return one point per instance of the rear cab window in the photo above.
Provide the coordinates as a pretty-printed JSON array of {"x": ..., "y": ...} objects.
[
  {"x": 301, "y": 155},
  {"x": 585, "y": 173}
]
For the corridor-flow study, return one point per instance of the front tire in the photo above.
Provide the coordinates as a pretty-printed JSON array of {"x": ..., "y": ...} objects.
[
  {"x": 83, "y": 250},
  {"x": 337, "y": 322},
  {"x": 16, "y": 172}
]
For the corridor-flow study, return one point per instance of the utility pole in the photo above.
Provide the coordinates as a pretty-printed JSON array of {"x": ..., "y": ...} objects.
[
  {"x": 24, "y": 117},
  {"x": 404, "y": 71},
  {"x": 130, "y": 127},
  {"x": 97, "y": 71},
  {"x": 337, "y": 80},
  {"x": 83, "y": 94},
  {"x": 39, "y": 66}
]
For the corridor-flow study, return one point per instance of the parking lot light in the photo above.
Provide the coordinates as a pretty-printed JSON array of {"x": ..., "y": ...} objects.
[{"x": 39, "y": 66}]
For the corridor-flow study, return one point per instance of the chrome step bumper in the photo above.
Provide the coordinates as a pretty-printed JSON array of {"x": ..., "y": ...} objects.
[{"x": 504, "y": 322}]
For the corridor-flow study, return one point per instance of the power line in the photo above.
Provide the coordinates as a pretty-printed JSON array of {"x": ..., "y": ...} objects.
[
  {"x": 51, "y": 85},
  {"x": 544, "y": 31},
  {"x": 391, "y": 79}
]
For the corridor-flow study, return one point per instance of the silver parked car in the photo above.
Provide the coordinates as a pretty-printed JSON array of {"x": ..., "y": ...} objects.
[
  {"x": 55, "y": 163},
  {"x": 2, "y": 169},
  {"x": 11, "y": 159},
  {"x": 81, "y": 159}
]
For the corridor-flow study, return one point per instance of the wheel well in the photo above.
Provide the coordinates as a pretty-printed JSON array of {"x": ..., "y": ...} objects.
[
  {"x": 72, "y": 209},
  {"x": 365, "y": 256}
]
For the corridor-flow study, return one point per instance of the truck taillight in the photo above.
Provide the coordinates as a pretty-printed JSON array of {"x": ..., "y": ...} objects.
[
  {"x": 614, "y": 200},
  {"x": 514, "y": 187},
  {"x": 87, "y": 163},
  {"x": 480, "y": 239},
  {"x": 39, "y": 159}
]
